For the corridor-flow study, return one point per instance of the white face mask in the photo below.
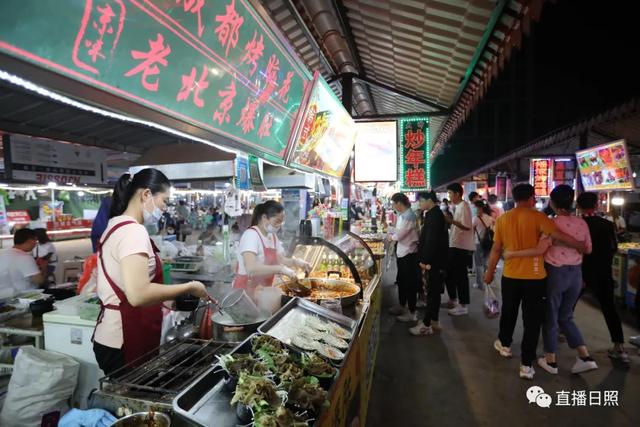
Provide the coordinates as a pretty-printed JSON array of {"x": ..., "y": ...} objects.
[
  {"x": 152, "y": 218},
  {"x": 272, "y": 229}
]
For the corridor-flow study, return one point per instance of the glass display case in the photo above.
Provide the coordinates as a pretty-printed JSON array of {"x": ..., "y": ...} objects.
[{"x": 346, "y": 257}]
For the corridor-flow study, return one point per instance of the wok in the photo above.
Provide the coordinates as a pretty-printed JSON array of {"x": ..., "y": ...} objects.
[{"x": 351, "y": 291}]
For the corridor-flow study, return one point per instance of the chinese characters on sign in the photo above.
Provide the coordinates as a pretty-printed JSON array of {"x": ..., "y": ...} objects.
[
  {"x": 414, "y": 149},
  {"x": 539, "y": 175},
  {"x": 537, "y": 395},
  {"x": 215, "y": 65}
]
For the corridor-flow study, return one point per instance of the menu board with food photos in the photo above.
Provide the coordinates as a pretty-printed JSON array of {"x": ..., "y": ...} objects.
[{"x": 605, "y": 167}]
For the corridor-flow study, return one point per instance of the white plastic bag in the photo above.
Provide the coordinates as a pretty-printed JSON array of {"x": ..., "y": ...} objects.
[
  {"x": 493, "y": 295},
  {"x": 42, "y": 383}
]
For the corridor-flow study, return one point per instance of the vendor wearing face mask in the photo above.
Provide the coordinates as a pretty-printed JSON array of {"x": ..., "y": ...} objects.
[
  {"x": 130, "y": 273},
  {"x": 260, "y": 254}
]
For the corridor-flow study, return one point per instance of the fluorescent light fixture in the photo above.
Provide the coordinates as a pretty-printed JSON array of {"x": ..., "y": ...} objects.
[
  {"x": 617, "y": 201},
  {"x": 500, "y": 205},
  {"x": 80, "y": 193},
  {"x": 52, "y": 184}
]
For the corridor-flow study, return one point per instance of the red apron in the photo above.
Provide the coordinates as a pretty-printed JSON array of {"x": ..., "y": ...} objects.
[
  {"x": 141, "y": 326},
  {"x": 242, "y": 281}
]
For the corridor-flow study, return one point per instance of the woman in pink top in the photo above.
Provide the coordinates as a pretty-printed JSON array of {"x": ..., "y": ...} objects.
[{"x": 564, "y": 284}]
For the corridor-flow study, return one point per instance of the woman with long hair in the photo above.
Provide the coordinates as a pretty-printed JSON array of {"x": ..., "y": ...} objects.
[
  {"x": 129, "y": 281},
  {"x": 260, "y": 254}
]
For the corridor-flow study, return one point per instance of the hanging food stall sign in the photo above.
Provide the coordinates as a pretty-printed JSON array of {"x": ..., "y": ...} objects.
[
  {"x": 540, "y": 176},
  {"x": 327, "y": 133},
  {"x": 43, "y": 161},
  {"x": 242, "y": 173},
  {"x": 414, "y": 154},
  {"x": 256, "y": 174},
  {"x": 213, "y": 64},
  {"x": 376, "y": 152}
]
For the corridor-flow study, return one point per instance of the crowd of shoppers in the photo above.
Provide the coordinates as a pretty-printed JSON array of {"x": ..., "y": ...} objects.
[{"x": 546, "y": 262}]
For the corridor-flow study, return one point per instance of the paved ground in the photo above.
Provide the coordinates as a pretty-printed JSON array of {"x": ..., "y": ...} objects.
[{"x": 457, "y": 379}]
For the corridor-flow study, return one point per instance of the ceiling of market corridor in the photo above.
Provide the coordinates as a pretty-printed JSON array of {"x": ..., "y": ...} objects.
[{"x": 412, "y": 56}]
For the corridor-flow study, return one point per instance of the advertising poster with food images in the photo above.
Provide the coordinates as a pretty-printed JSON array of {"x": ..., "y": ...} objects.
[
  {"x": 605, "y": 167},
  {"x": 327, "y": 133}
]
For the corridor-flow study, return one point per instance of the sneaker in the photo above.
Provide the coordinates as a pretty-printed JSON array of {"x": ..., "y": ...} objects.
[
  {"x": 397, "y": 310},
  {"x": 635, "y": 340},
  {"x": 620, "y": 355},
  {"x": 527, "y": 372},
  {"x": 583, "y": 366},
  {"x": 542, "y": 362},
  {"x": 459, "y": 310},
  {"x": 421, "y": 304},
  {"x": 408, "y": 317},
  {"x": 420, "y": 330},
  {"x": 449, "y": 305},
  {"x": 504, "y": 351}
]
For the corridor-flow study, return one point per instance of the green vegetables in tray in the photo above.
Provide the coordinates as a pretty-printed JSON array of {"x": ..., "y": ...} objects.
[
  {"x": 237, "y": 363},
  {"x": 284, "y": 365},
  {"x": 305, "y": 393},
  {"x": 317, "y": 366},
  {"x": 281, "y": 417},
  {"x": 256, "y": 392},
  {"x": 266, "y": 343}
]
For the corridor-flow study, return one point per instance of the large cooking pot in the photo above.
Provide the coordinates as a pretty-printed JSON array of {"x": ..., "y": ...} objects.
[
  {"x": 349, "y": 291},
  {"x": 144, "y": 419},
  {"x": 225, "y": 329}
]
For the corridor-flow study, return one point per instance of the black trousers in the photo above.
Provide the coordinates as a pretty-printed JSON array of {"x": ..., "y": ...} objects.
[
  {"x": 533, "y": 296},
  {"x": 435, "y": 279},
  {"x": 109, "y": 359},
  {"x": 408, "y": 280},
  {"x": 457, "y": 278},
  {"x": 600, "y": 282}
]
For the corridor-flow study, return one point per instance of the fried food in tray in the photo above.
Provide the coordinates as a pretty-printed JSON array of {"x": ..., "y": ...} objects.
[{"x": 325, "y": 289}]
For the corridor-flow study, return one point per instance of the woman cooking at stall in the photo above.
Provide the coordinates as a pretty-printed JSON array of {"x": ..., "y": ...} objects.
[
  {"x": 260, "y": 254},
  {"x": 130, "y": 273}
]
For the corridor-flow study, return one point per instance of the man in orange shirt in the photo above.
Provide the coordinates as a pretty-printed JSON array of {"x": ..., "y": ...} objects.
[{"x": 523, "y": 279}]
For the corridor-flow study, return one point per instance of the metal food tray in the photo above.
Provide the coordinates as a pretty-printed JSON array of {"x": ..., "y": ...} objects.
[
  {"x": 206, "y": 402},
  {"x": 306, "y": 307}
]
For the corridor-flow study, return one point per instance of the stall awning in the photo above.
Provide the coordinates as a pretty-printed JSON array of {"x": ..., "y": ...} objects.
[
  {"x": 426, "y": 55},
  {"x": 182, "y": 153}
]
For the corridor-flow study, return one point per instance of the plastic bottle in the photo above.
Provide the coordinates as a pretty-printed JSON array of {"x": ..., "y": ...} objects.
[{"x": 200, "y": 249}]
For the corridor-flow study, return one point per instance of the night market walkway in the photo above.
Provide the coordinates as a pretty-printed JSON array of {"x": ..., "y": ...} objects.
[{"x": 457, "y": 378}]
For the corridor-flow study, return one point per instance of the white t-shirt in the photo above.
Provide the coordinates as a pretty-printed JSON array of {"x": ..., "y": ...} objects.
[
  {"x": 16, "y": 269},
  {"x": 480, "y": 227},
  {"x": 128, "y": 240},
  {"x": 619, "y": 223},
  {"x": 41, "y": 250},
  {"x": 459, "y": 238},
  {"x": 250, "y": 242}
]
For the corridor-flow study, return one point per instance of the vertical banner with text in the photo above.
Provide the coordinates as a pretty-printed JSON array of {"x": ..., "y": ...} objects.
[{"x": 415, "y": 147}]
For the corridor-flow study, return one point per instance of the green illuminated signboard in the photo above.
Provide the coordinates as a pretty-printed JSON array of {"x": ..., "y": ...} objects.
[
  {"x": 415, "y": 170},
  {"x": 212, "y": 64}
]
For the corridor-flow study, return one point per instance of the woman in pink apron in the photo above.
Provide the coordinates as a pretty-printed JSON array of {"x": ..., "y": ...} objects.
[
  {"x": 260, "y": 254},
  {"x": 130, "y": 273}
]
